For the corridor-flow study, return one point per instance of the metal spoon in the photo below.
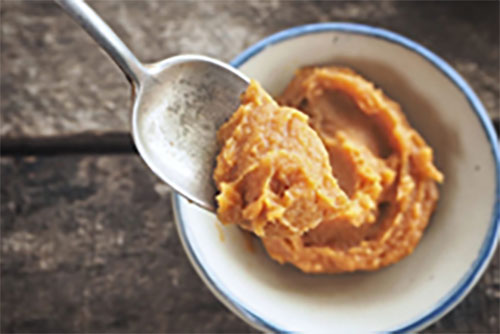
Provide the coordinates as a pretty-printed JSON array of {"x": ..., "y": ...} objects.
[{"x": 179, "y": 103}]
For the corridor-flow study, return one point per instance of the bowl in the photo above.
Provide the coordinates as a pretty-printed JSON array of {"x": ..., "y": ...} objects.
[{"x": 457, "y": 244}]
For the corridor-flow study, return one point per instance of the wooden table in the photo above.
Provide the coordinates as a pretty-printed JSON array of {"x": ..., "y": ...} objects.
[{"x": 88, "y": 243}]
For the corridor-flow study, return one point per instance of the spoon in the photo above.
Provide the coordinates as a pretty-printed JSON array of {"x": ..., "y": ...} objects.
[{"x": 179, "y": 104}]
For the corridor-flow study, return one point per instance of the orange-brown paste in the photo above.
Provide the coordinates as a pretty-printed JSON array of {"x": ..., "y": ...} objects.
[{"x": 331, "y": 177}]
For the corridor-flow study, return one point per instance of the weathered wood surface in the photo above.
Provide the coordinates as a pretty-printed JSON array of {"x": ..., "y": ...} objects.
[
  {"x": 55, "y": 80},
  {"x": 88, "y": 245}
]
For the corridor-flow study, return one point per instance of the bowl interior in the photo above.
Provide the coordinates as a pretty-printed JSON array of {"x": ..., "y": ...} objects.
[{"x": 407, "y": 295}]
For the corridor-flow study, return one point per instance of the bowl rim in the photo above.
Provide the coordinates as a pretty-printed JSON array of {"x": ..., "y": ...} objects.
[{"x": 468, "y": 280}]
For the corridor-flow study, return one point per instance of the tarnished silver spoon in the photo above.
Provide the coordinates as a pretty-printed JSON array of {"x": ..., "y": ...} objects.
[{"x": 179, "y": 103}]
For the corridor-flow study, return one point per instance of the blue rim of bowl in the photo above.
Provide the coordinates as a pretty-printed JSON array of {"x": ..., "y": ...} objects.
[{"x": 489, "y": 244}]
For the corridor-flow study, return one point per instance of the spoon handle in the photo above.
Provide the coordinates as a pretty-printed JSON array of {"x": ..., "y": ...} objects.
[{"x": 88, "y": 19}]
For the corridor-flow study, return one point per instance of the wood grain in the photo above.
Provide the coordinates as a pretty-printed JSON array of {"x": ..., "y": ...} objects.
[
  {"x": 55, "y": 81},
  {"x": 89, "y": 245}
]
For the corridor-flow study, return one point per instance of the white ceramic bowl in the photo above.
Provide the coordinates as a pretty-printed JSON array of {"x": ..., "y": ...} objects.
[{"x": 457, "y": 245}]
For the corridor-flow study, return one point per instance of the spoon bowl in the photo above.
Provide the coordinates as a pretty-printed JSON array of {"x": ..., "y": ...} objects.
[{"x": 177, "y": 111}]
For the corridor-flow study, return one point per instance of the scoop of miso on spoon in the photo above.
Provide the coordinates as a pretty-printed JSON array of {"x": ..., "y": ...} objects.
[{"x": 179, "y": 104}]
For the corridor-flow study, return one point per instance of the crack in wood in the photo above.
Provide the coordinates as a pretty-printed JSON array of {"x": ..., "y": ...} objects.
[{"x": 83, "y": 143}]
